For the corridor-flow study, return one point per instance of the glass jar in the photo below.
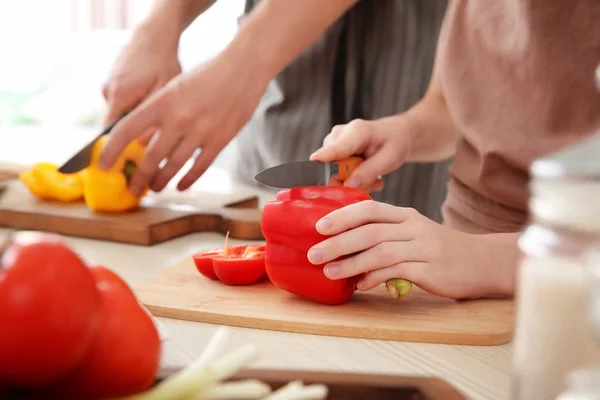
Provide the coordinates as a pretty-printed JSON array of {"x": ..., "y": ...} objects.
[
  {"x": 593, "y": 269},
  {"x": 583, "y": 384},
  {"x": 553, "y": 334}
]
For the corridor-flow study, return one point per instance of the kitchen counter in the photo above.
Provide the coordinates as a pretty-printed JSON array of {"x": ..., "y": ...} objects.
[{"x": 479, "y": 372}]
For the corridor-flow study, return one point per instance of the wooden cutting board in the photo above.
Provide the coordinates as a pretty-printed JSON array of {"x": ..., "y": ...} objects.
[
  {"x": 180, "y": 292},
  {"x": 161, "y": 216}
]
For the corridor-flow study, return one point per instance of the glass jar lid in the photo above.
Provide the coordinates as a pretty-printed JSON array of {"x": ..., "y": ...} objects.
[{"x": 579, "y": 162}]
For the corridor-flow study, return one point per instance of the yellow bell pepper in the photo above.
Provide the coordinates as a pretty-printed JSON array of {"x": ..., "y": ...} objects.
[
  {"x": 108, "y": 190},
  {"x": 44, "y": 181}
]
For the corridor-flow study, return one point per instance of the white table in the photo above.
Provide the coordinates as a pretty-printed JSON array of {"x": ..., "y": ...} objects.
[{"x": 479, "y": 372}]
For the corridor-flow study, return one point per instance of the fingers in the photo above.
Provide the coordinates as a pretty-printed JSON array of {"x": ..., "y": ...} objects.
[
  {"x": 368, "y": 173},
  {"x": 155, "y": 153},
  {"x": 345, "y": 141},
  {"x": 203, "y": 161},
  {"x": 356, "y": 240},
  {"x": 180, "y": 155},
  {"x": 413, "y": 271},
  {"x": 375, "y": 187},
  {"x": 147, "y": 136},
  {"x": 380, "y": 256},
  {"x": 358, "y": 138},
  {"x": 130, "y": 127},
  {"x": 365, "y": 212},
  {"x": 334, "y": 135}
]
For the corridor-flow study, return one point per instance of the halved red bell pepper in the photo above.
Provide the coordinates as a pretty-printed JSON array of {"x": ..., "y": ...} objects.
[
  {"x": 235, "y": 265},
  {"x": 288, "y": 225},
  {"x": 204, "y": 263}
]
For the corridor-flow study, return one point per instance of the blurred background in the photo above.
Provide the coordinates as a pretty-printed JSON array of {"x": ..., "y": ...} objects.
[{"x": 55, "y": 56}]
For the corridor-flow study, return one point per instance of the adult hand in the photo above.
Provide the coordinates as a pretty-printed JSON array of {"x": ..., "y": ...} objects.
[
  {"x": 395, "y": 242},
  {"x": 203, "y": 108},
  {"x": 145, "y": 65}
]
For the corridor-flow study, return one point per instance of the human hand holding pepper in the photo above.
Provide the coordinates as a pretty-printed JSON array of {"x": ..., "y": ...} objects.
[
  {"x": 144, "y": 66},
  {"x": 395, "y": 242},
  {"x": 202, "y": 109}
]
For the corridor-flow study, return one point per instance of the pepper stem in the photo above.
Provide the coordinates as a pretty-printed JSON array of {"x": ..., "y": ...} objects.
[
  {"x": 398, "y": 287},
  {"x": 225, "y": 249},
  {"x": 129, "y": 169}
]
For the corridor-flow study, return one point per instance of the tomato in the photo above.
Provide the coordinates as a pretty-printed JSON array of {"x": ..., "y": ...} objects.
[
  {"x": 235, "y": 265},
  {"x": 49, "y": 310},
  {"x": 124, "y": 357}
]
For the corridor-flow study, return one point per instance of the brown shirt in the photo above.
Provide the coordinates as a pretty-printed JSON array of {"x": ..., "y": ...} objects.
[{"x": 518, "y": 77}]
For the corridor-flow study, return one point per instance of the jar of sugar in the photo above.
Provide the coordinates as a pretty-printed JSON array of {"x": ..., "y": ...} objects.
[{"x": 553, "y": 332}]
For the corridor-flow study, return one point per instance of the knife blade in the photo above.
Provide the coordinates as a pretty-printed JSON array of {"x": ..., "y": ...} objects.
[
  {"x": 82, "y": 158},
  {"x": 307, "y": 173}
]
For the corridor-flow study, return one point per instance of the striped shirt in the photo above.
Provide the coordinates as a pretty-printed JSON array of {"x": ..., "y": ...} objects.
[{"x": 389, "y": 48}]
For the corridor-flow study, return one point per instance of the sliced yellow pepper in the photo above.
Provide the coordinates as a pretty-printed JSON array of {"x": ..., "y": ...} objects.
[
  {"x": 108, "y": 190},
  {"x": 44, "y": 181}
]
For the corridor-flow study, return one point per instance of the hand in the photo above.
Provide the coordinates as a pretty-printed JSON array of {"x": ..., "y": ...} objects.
[
  {"x": 203, "y": 108},
  {"x": 146, "y": 64},
  {"x": 397, "y": 242},
  {"x": 384, "y": 143},
  {"x": 425, "y": 133}
]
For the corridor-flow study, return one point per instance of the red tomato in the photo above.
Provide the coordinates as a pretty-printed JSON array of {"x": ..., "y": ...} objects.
[
  {"x": 124, "y": 357},
  {"x": 49, "y": 310}
]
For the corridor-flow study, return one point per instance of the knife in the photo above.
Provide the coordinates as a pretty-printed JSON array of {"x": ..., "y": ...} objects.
[
  {"x": 308, "y": 173},
  {"x": 82, "y": 159}
]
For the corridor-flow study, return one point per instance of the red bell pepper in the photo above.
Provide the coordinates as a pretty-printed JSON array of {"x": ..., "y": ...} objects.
[
  {"x": 288, "y": 225},
  {"x": 235, "y": 265}
]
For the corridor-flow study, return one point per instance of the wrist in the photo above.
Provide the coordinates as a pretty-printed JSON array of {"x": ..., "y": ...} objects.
[
  {"x": 157, "y": 35},
  {"x": 501, "y": 254},
  {"x": 162, "y": 25},
  {"x": 433, "y": 133},
  {"x": 258, "y": 63}
]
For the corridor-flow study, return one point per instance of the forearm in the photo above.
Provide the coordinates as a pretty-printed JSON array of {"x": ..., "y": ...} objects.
[
  {"x": 499, "y": 258},
  {"x": 172, "y": 17},
  {"x": 277, "y": 31},
  {"x": 435, "y": 135}
]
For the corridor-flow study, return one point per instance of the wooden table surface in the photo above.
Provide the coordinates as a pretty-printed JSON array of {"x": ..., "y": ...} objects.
[{"x": 479, "y": 372}]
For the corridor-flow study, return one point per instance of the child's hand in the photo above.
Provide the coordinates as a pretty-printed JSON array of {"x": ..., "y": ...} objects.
[
  {"x": 384, "y": 143},
  {"x": 424, "y": 133},
  {"x": 401, "y": 243}
]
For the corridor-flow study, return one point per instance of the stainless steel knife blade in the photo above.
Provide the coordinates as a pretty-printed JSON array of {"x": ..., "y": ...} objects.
[
  {"x": 298, "y": 173},
  {"x": 82, "y": 158}
]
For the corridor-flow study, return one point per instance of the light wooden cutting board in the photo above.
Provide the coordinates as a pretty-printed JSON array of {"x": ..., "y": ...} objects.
[
  {"x": 180, "y": 292},
  {"x": 162, "y": 216}
]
